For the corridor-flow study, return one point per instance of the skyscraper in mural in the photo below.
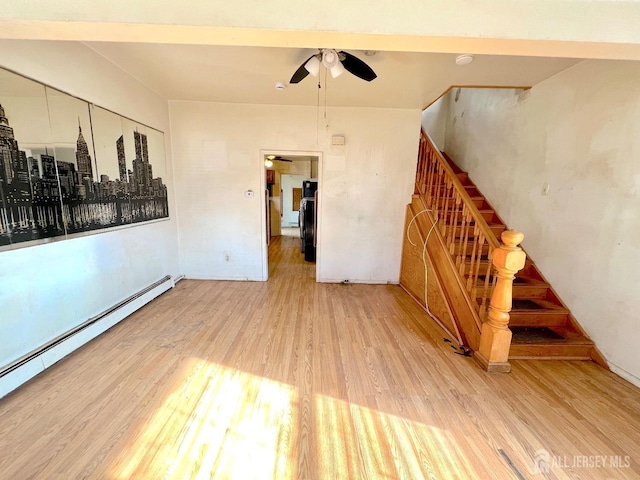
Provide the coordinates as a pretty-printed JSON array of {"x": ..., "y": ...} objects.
[
  {"x": 83, "y": 159},
  {"x": 142, "y": 152},
  {"x": 14, "y": 166},
  {"x": 8, "y": 148},
  {"x": 122, "y": 162},
  {"x": 142, "y": 169}
]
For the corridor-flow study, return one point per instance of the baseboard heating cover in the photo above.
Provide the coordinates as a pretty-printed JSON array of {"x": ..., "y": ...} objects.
[{"x": 23, "y": 369}]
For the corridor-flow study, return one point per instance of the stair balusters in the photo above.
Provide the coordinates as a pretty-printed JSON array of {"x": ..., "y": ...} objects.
[{"x": 465, "y": 232}]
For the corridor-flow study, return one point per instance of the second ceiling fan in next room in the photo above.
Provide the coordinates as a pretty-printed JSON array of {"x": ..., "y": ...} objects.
[
  {"x": 336, "y": 62},
  {"x": 278, "y": 158}
]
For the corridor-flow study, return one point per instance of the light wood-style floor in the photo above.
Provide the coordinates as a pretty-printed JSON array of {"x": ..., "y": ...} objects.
[{"x": 291, "y": 379}]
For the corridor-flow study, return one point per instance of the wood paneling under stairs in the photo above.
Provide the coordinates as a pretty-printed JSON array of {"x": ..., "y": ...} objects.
[{"x": 291, "y": 379}]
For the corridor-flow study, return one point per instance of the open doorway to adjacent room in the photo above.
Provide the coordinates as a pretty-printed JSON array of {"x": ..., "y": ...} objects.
[{"x": 290, "y": 210}]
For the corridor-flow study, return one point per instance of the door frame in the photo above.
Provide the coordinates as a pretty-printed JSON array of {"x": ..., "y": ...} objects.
[{"x": 263, "y": 205}]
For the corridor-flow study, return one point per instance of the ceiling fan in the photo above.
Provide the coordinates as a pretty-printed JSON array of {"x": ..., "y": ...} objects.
[
  {"x": 278, "y": 158},
  {"x": 336, "y": 63}
]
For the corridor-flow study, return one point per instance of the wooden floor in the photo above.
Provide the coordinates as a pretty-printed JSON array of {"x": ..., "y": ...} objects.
[{"x": 291, "y": 379}]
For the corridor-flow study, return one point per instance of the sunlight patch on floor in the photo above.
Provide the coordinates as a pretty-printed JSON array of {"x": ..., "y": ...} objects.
[
  {"x": 359, "y": 442},
  {"x": 219, "y": 423}
]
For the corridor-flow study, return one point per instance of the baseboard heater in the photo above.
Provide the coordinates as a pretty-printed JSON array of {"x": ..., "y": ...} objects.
[{"x": 28, "y": 366}]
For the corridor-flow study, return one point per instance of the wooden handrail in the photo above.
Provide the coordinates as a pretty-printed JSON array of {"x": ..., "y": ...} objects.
[{"x": 465, "y": 197}]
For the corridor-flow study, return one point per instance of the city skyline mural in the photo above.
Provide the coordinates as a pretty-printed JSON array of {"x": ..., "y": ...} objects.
[{"x": 69, "y": 167}]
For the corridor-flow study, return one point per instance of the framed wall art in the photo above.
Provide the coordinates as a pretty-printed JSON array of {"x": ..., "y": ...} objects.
[{"x": 68, "y": 167}]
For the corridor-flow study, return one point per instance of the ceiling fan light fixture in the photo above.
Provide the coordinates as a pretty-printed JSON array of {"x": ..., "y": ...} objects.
[
  {"x": 268, "y": 163},
  {"x": 330, "y": 58},
  {"x": 313, "y": 66},
  {"x": 337, "y": 70}
]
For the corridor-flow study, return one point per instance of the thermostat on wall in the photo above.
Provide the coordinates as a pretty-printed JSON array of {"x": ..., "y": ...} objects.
[{"x": 337, "y": 140}]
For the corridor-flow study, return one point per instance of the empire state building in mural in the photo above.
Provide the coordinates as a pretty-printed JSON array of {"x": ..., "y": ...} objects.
[
  {"x": 83, "y": 159},
  {"x": 41, "y": 197}
]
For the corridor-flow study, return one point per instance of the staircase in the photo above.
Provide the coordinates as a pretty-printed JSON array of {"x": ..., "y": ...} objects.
[{"x": 467, "y": 233}]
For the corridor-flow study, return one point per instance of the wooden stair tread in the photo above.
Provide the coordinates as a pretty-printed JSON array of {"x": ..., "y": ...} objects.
[
  {"x": 522, "y": 280},
  {"x": 566, "y": 336}
]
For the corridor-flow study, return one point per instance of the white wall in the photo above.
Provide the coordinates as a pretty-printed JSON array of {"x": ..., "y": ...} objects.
[
  {"x": 364, "y": 186},
  {"x": 434, "y": 120},
  {"x": 578, "y": 132},
  {"x": 48, "y": 289}
]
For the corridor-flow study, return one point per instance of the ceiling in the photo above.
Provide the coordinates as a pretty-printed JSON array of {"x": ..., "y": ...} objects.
[{"x": 238, "y": 74}]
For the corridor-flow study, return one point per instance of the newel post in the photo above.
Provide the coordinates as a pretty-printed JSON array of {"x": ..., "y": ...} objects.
[{"x": 495, "y": 338}]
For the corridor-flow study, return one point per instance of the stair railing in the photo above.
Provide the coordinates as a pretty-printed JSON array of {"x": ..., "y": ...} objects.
[
  {"x": 464, "y": 230},
  {"x": 471, "y": 244}
]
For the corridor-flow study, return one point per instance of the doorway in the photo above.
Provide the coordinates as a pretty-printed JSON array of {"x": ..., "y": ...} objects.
[{"x": 290, "y": 187}]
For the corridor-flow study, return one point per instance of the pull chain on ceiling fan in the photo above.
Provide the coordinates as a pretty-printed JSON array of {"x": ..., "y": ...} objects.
[{"x": 336, "y": 63}]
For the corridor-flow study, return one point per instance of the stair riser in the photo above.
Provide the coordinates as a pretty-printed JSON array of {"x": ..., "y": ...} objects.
[
  {"x": 530, "y": 291},
  {"x": 541, "y": 318},
  {"x": 524, "y": 351}
]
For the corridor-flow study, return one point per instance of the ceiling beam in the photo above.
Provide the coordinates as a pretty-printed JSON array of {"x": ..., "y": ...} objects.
[{"x": 211, "y": 35}]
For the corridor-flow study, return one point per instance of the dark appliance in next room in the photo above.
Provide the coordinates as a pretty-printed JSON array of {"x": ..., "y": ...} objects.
[
  {"x": 309, "y": 188},
  {"x": 308, "y": 220}
]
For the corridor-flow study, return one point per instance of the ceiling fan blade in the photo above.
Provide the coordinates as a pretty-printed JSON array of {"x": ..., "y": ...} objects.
[
  {"x": 301, "y": 72},
  {"x": 357, "y": 67},
  {"x": 282, "y": 159}
]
